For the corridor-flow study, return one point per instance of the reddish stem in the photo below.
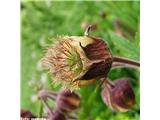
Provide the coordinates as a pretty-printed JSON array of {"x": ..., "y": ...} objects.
[
  {"x": 44, "y": 94},
  {"x": 106, "y": 81},
  {"x": 126, "y": 61},
  {"x": 122, "y": 65}
]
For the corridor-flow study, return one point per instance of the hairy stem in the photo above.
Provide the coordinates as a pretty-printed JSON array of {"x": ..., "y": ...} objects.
[
  {"x": 122, "y": 65},
  {"x": 49, "y": 110},
  {"x": 52, "y": 95},
  {"x": 126, "y": 61},
  {"x": 106, "y": 81},
  {"x": 44, "y": 94}
]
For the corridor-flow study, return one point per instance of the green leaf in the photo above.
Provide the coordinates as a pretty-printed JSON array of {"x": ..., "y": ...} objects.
[
  {"x": 124, "y": 47},
  {"x": 137, "y": 36}
]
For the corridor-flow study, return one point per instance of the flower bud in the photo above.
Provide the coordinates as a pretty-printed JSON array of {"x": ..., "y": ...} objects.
[
  {"x": 78, "y": 60},
  {"x": 26, "y": 114},
  {"x": 67, "y": 101},
  {"x": 119, "y": 97}
]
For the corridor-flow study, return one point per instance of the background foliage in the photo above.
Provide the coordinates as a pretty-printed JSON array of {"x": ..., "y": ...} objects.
[{"x": 42, "y": 21}]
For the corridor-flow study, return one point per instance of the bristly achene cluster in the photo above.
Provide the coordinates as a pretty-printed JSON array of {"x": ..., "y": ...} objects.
[{"x": 76, "y": 61}]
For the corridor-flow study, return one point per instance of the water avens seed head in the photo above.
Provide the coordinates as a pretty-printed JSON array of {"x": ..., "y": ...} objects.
[
  {"x": 77, "y": 60},
  {"x": 119, "y": 97}
]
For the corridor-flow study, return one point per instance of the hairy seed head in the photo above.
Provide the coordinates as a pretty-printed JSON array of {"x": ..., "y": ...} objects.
[{"x": 78, "y": 60}]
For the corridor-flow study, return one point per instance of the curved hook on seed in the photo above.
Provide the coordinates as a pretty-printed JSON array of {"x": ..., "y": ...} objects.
[{"x": 86, "y": 33}]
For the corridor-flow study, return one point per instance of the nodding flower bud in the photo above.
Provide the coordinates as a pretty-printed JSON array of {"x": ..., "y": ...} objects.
[
  {"x": 119, "y": 96},
  {"x": 78, "y": 60},
  {"x": 67, "y": 101},
  {"x": 26, "y": 114}
]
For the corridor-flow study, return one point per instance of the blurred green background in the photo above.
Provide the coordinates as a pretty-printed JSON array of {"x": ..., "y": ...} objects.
[{"x": 116, "y": 22}]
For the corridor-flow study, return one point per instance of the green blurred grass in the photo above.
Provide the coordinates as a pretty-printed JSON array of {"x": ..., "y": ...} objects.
[{"x": 41, "y": 22}]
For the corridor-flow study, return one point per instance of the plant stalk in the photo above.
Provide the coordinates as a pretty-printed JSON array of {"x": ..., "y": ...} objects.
[
  {"x": 47, "y": 94},
  {"x": 122, "y": 65},
  {"x": 124, "y": 60}
]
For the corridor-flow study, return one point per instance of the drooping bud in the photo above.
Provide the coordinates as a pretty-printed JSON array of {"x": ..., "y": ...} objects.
[
  {"x": 120, "y": 96},
  {"x": 26, "y": 114},
  {"x": 78, "y": 60},
  {"x": 67, "y": 101}
]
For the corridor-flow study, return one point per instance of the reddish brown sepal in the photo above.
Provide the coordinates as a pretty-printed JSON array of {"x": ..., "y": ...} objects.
[
  {"x": 98, "y": 50},
  {"x": 67, "y": 101}
]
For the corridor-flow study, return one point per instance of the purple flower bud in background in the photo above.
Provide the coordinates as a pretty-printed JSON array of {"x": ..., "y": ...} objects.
[
  {"x": 119, "y": 97},
  {"x": 26, "y": 114},
  {"x": 67, "y": 101}
]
